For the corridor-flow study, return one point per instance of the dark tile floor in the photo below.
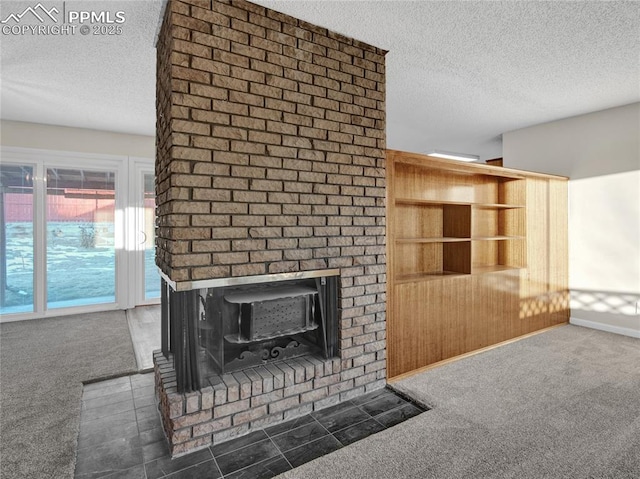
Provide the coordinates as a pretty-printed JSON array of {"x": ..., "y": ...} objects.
[{"x": 121, "y": 436}]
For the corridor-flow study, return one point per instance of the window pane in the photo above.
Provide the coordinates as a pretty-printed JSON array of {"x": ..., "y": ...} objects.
[
  {"x": 16, "y": 239},
  {"x": 81, "y": 258},
  {"x": 152, "y": 278}
]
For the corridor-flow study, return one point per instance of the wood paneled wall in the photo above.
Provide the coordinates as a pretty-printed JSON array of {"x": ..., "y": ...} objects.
[{"x": 477, "y": 255}]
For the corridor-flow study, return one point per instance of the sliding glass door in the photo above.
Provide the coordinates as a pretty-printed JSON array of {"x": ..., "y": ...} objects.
[
  {"x": 80, "y": 239},
  {"x": 142, "y": 239},
  {"x": 151, "y": 274},
  {"x": 16, "y": 239},
  {"x": 77, "y": 234}
]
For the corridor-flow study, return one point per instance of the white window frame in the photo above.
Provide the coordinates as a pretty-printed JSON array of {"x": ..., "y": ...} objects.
[
  {"x": 122, "y": 166},
  {"x": 135, "y": 223}
]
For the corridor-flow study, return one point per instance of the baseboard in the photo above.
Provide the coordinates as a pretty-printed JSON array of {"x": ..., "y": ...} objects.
[{"x": 634, "y": 333}]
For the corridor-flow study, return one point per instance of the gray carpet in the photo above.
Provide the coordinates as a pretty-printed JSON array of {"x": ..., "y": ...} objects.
[
  {"x": 562, "y": 404},
  {"x": 42, "y": 366}
]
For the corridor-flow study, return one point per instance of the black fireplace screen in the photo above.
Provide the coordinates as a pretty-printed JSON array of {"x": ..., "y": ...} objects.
[
  {"x": 224, "y": 329},
  {"x": 248, "y": 325}
]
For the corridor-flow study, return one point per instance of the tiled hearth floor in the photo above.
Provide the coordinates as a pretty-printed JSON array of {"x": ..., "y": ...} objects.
[{"x": 121, "y": 436}]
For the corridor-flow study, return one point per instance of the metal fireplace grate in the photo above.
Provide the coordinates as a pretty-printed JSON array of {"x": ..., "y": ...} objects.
[
  {"x": 245, "y": 325},
  {"x": 272, "y": 311}
]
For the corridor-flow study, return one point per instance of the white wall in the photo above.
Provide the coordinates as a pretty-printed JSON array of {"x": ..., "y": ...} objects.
[
  {"x": 600, "y": 153},
  {"x": 61, "y": 138}
]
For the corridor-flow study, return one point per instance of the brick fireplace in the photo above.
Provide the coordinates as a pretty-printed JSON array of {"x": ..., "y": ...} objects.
[{"x": 270, "y": 168}]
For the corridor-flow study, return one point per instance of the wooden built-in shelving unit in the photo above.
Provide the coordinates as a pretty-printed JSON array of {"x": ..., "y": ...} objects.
[
  {"x": 452, "y": 224},
  {"x": 454, "y": 220}
]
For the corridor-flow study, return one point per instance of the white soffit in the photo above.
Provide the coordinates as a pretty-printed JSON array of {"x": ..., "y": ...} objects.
[{"x": 459, "y": 73}]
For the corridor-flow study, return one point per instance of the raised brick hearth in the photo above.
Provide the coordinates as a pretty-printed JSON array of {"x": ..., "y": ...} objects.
[
  {"x": 256, "y": 398},
  {"x": 270, "y": 160}
]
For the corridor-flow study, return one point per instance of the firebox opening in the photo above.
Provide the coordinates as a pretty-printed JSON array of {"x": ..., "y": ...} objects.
[{"x": 248, "y": 325}]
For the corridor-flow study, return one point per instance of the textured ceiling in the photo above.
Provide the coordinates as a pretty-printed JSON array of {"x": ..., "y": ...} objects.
[
  {"x": 98, "y": 82},
  {"x": 459, "y": 74}
]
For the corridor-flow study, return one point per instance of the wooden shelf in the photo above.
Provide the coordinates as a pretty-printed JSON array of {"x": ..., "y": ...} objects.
[
  {"x": 495, "y": 238},
  {"x": 485, "y": 269},
  {"x": 456, "y": 240},
  {"x": 452, "y": 166},
  {"x": 419, "y": 202},
  {"x": 494, "y": 268},
  {"x": 418, "y": 277},
  {"x": 432, "y": 240},
  {"x": 451, "y": 216},
  {"x": 496, "y": 206}
]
